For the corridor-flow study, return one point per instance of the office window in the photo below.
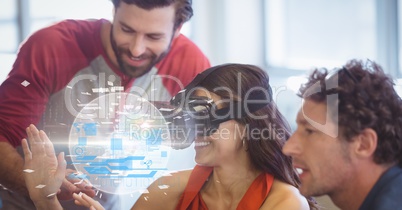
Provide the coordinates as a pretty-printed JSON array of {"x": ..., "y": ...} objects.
[
  {"x": 399, "y": 31},
  {"x": 20, "y": 18},
  {"x": 46, "y": 12},
  {"x": 8, "y": 26},
  {"x": 303, "y": 34},
  {"x": 8, "y": 36}
]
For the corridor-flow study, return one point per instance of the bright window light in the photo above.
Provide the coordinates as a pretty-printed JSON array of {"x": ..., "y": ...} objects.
[{"x": 315, "y": 33}]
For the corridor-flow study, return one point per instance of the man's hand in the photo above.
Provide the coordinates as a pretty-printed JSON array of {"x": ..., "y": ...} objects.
[{"x": 44, "y": 173}]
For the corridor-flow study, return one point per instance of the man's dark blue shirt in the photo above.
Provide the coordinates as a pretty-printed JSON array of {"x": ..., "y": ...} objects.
[{"x": 386, "y": 194}]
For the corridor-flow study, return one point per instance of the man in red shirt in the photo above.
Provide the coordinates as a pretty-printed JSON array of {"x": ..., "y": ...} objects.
[{"x": 61, "y": 68}]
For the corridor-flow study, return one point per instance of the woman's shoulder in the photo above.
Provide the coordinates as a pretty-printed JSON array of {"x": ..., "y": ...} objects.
[
  {"x": 284, "y": 196},
  {"x": 165, "y": 192}
]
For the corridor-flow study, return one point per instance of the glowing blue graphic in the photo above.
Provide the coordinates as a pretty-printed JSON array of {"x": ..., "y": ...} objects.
[
  {"x": 90, "y": 129},
  {"x": 122, "y": 145}
]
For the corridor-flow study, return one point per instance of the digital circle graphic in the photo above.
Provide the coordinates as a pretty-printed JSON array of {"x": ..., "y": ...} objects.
[{"x": 120, "y": 143}]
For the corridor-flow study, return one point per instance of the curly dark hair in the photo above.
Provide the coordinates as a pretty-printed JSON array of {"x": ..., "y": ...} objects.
[
  {"x": 184, "y": 10},
  {"x": 365, "y": 98},
  {"x": 264, "y": 149}
]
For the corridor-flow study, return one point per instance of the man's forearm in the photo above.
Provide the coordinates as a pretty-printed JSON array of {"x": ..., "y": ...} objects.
[{"x": 11, "y": 166}]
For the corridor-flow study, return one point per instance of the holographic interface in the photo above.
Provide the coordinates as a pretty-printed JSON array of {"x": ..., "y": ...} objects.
[{"x": 120, "y": 142}]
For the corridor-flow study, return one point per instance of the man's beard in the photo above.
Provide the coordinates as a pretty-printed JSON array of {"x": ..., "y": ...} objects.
[{"x": 135, "y": 71}]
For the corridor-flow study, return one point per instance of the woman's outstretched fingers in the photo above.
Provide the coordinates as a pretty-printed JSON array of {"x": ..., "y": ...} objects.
[
  {"x": 83, "y": 199},
  {"x": 80, "y": 201},
  {"x": 92, "y": 202}
]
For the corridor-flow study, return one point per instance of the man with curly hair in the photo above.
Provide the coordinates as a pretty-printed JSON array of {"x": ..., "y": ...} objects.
[{"x": 348, "y": 141}]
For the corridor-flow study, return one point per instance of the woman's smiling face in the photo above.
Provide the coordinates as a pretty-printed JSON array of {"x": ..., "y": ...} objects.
[{"x": 224, "y": 144}]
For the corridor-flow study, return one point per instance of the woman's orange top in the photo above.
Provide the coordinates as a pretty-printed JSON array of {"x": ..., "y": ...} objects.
[{"x": 253, "y": 199}]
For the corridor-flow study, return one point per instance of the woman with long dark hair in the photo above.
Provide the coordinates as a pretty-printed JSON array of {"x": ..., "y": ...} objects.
[{"x": 239, "y": 161}]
